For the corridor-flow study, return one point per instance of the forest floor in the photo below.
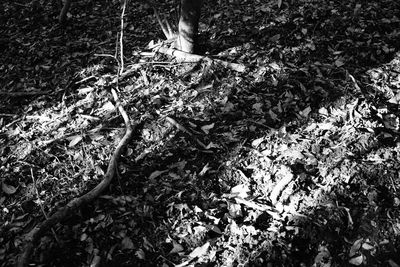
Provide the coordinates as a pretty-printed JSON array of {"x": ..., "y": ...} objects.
[{"x": 293, "y": 162}]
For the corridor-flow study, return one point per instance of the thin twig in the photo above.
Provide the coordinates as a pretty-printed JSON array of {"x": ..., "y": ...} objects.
[
  {"x": 183, "y": 129},
  {"x": 165, "y": 27},
  {"x": 28, "y": 93},
  {"x": 119, "y": 72},
  {"x": 104, "y": 55},
  {"x": 121, "y": 38}
]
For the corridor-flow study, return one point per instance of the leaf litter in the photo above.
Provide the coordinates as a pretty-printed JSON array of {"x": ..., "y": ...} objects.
[{"x": 293, "y": 163}]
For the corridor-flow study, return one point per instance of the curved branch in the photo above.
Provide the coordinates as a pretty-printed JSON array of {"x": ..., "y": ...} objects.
[{"x": 38, "y": 231}]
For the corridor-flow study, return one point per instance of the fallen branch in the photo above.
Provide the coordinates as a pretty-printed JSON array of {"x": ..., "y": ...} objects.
[
  {"x": 22, "y": 94},
  {"x": 38, "y": 231},
  {"x": 33, "y": 237},
  {"x": 188, "y": 57}
]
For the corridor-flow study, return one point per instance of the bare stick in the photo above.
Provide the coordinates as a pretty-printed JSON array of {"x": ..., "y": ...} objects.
[{"x": 121, "y": 38}]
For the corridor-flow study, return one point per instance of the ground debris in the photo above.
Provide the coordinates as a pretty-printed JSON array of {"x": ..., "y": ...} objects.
[{"x": 294, "y": 162}]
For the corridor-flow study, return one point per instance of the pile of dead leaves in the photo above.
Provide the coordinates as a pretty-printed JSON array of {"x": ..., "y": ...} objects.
[{"x": 294, "y": 162}]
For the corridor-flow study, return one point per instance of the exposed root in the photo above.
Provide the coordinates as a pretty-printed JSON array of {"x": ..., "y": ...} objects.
[
  {"x": 38, "y": 231},
  {"x": 188, "y": 57}
]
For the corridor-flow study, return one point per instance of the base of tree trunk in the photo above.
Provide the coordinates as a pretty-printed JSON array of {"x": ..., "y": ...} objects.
[{"x": 188, "y": 25}]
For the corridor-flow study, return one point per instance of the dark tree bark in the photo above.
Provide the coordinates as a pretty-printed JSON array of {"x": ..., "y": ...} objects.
[{"x": 189, "y": 25}]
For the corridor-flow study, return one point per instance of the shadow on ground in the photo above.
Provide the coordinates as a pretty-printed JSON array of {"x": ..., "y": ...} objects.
[{"x": 290, "y": 163}]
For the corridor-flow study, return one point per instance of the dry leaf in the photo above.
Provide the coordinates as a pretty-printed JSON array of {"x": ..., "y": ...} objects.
[
  {"x": 96, "y": 261},
  {"x": 257, "y": 107},
  {"x": 108, "y": 106},
  {"x": 241, "y": 190},
  {"x": 275, "y": 38},
  {"x": 215, "y": 229},
  {"x": 200, "y": 251},
  {"x": 140, "y": 254},
  {"x": 257, "y": 142},
  {"x": 323, "y": 257},
  {"x": 8, "y": 189},
  {"x": 204, "y": 170},
  {"x": 235, "y": 210},
  {"x": 355, "y": 247},
  {"x": 367, "y": 246},
  {"x": 391, "y": 121},
  {"x": 273, "y": 115},
  {"x": 207, "y": 128},
  {"x": 74, "y": 140},
  {"x": 147, "y": 245},
  {"x": 155, "y": 174},
  {"x": 305, "y": 112},
  {"x": 357, "y": 260},
  {"x": 339, "y": 63},
  {"x": 127, "y": 243},
  {"x": 177, "y": 248}
]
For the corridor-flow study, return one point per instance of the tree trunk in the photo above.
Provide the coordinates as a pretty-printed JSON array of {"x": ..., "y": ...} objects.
[{"x": 188, "y": 25}]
